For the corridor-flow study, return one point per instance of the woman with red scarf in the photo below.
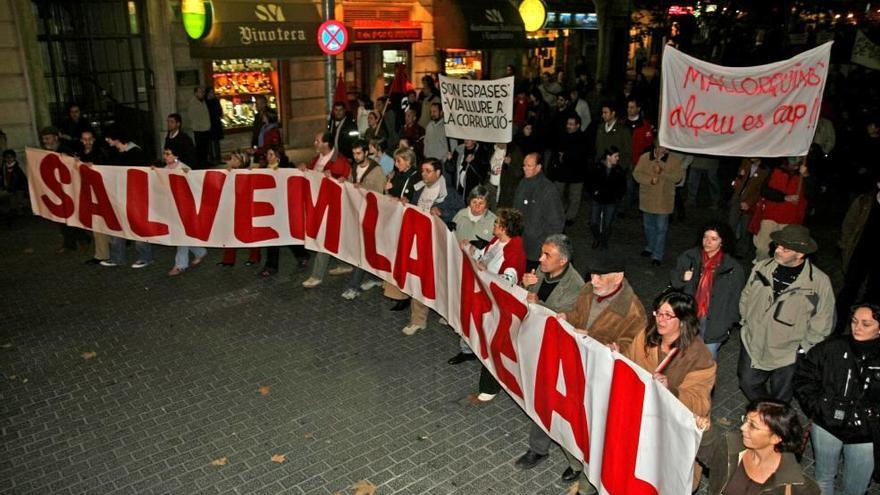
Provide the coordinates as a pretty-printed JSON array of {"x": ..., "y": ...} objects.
[{"x": 710, "y": 274}]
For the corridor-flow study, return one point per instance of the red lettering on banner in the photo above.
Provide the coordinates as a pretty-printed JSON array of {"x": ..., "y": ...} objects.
[
  {"x": 246, "y": 209},
  {"x": 368, "y": 226},
  {"x": 502, "y": 343},
  {"x": 776, "y": 84},
  {"x": 306, "y": 216},
  {"x": 197, "y": 223},
  {"x": 92, "y": 186},
  {"x": 789, "y": 114},
  {"x": 417, "y": 229},
  {"x": 560, "y": 352},
  {"x": 622, "y": 428},
  {"x": 137, "y": 205},
  {"x": 49, "y": 166},
  {"x": 698, "y": 121},
  {"x": 474, "y": 304}
]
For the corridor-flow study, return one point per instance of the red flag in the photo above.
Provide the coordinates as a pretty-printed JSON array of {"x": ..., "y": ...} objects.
[
  {"x": 341, "y": 93},
  {"x": 400, "y": 84}
]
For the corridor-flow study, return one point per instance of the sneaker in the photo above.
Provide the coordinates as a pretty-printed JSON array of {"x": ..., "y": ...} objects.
[
  {"x": 140, "y": 264},
  {"x": 443, "y": 322},
  {"x": 108, "y": 263},
  {"x": 312, "y": 282},
  {"x": 412, "y": 329},
  {"x": 175, "y": 272},
  {"x": 340, "y": 270},
  {"x": 369, "y": 284},
  {"x": 350, "y": 294}
]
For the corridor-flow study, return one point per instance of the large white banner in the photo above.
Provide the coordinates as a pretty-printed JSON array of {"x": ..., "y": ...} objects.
[
  {"x": 479, "y": 110},
  {"x": 766, "y": 110},
  {"x": 633, "y": 434}
]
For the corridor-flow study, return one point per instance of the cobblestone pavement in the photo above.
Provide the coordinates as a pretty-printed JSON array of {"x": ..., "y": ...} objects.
[{"x": 175, "y": 381}]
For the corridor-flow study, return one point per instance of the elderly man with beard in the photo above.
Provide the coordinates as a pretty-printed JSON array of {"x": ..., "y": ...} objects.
[{"x": 606, "y": 309}]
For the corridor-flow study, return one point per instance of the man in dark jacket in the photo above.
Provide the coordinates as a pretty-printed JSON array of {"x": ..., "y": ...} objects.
[
  {"x": 539, "y": 202},
  {"x": 178, "y": 140},
  {"x": 570, "y": 163},
  {"x": 343, "y": 129},
  {"x": 262, "y": 104}
]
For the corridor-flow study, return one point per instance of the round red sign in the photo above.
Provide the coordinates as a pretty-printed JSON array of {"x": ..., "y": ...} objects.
[{"x": 332, "y": 37}]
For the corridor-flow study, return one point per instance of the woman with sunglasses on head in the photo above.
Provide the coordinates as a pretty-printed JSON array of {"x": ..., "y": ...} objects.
[
  {"x": 838, "y": 386},
  {"x": 759, "y": 457}
]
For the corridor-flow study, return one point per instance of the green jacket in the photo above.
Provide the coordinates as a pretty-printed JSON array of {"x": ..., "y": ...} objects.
[
  {"x": 721, "y": 453},
  {"x": 566, "y": 292},
  {"x": 801, "y": 316}
]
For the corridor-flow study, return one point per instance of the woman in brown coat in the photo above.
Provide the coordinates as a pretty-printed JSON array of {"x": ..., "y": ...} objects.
[{"x": 671, "y": 349}]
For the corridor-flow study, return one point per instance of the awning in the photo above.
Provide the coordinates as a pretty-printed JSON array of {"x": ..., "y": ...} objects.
[
  {"x": 477, "y": 24},
  {"x": 241, "y": 29}
]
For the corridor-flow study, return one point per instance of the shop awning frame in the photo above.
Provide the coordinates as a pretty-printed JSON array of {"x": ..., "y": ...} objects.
[
  {"x": 242, "y": 29},
  {"x": 477, "y": 24}
]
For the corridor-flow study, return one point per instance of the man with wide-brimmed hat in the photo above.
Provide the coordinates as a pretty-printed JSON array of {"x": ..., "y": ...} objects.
[{"x": 787, "y": 307}]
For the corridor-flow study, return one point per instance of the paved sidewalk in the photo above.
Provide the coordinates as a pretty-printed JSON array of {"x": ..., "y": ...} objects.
[{"x": 218, "y": 363}]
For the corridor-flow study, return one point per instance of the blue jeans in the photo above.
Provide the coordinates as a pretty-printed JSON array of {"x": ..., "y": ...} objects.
[
  {"x": 144, "y": 251},
  {"x": 714, "y": 346},
  {"x": 601, "y": 218},
  {"x": 181, "y": 259},
  {"x": 656, "y": 225},
  {"x": 858, "y": 463}
]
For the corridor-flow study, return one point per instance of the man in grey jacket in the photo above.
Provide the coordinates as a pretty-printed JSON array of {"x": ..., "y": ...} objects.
[
  {"x": 787, "y": 307},
  {"x": 541, "y": 206}
]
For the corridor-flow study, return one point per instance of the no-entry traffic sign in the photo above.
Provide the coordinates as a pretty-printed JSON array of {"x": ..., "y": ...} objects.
[{"x": 332, "y": 37}]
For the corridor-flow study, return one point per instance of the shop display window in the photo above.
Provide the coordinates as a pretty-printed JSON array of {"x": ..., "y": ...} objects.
[
  {"x": 464, "y": 63},
  {"x": 238, "y": 82}
]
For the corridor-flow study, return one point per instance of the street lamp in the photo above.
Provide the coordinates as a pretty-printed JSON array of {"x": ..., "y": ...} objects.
[{"x": 533, "y": 13}]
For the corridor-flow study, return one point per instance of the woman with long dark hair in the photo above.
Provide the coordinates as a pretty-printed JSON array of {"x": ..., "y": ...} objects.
[
  {"x": 672, "y": 350},
  {"x": 709, "y": 273}
]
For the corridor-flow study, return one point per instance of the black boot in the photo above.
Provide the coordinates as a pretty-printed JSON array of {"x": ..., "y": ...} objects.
[
  {"x": 597, "y": 236},
  {"x": 400, "y": 305}
]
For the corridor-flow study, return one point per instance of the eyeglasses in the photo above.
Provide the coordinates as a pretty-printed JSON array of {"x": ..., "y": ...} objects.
[
  {"x": 751, "y": 425},
  {"x": 664, "y": 316}
]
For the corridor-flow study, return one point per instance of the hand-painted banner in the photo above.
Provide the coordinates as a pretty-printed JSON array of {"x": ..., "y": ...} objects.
[
  {"x": 479, "y": 110},
  {"x": 633, "y": 434},
  {"x": 865, "y": 52},
  {"x": 766, "y": 110}
]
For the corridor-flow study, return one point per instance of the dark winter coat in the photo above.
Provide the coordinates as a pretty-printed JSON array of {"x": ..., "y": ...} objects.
[
  {"x": 839, "y": 390},
  {"x": 570, "y": 162},
  {"x": 609, "y": 185},
  {"x": 726, "y": 290}
]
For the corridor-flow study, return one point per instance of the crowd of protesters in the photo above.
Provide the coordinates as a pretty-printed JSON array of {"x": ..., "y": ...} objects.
[{"x": 577, "y": 146}]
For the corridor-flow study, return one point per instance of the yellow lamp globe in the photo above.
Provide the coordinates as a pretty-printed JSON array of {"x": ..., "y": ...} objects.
[
  {"x": 533, "y": 14},
  {"x": 196, "y": 18}
]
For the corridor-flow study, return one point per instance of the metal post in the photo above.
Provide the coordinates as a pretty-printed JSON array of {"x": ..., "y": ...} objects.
[{"x": 329, "y": 61}]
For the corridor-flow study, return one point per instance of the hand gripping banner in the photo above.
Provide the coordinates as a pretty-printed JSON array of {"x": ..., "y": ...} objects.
[
  {"x": 764, "y": 111},
  {"x": 634, "y": 436}
]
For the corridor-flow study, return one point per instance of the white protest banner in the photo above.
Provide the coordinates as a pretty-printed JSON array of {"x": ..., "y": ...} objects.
[
  {"x": 766, "y": 110},
  {"x": 865, "y": 52},
  {"x": 632, "y": 433},
  {"x": 478, "y": 110}
]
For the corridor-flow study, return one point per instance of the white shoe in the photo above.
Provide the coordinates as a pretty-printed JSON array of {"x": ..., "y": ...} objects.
[
  {"x": 108, "y": 263},
  {"x": 443, "y": 322},
  {"x": 340, "y": 270},
  {"x": 140, "y": 264},
  {"x": 412, "y": 329},
  {"x": 350, "y": 294},
  {"x": 312, "y": 282},
  {"x": 369, "y": 284},
  {"x": 485, "y": 397}
]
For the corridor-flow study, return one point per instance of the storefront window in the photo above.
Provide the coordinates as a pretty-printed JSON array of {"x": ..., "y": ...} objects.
[
  {"x": 238, "y": 82},
  {"x": 390, "y": 59},
  {"x": 464, "y": 63}
]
